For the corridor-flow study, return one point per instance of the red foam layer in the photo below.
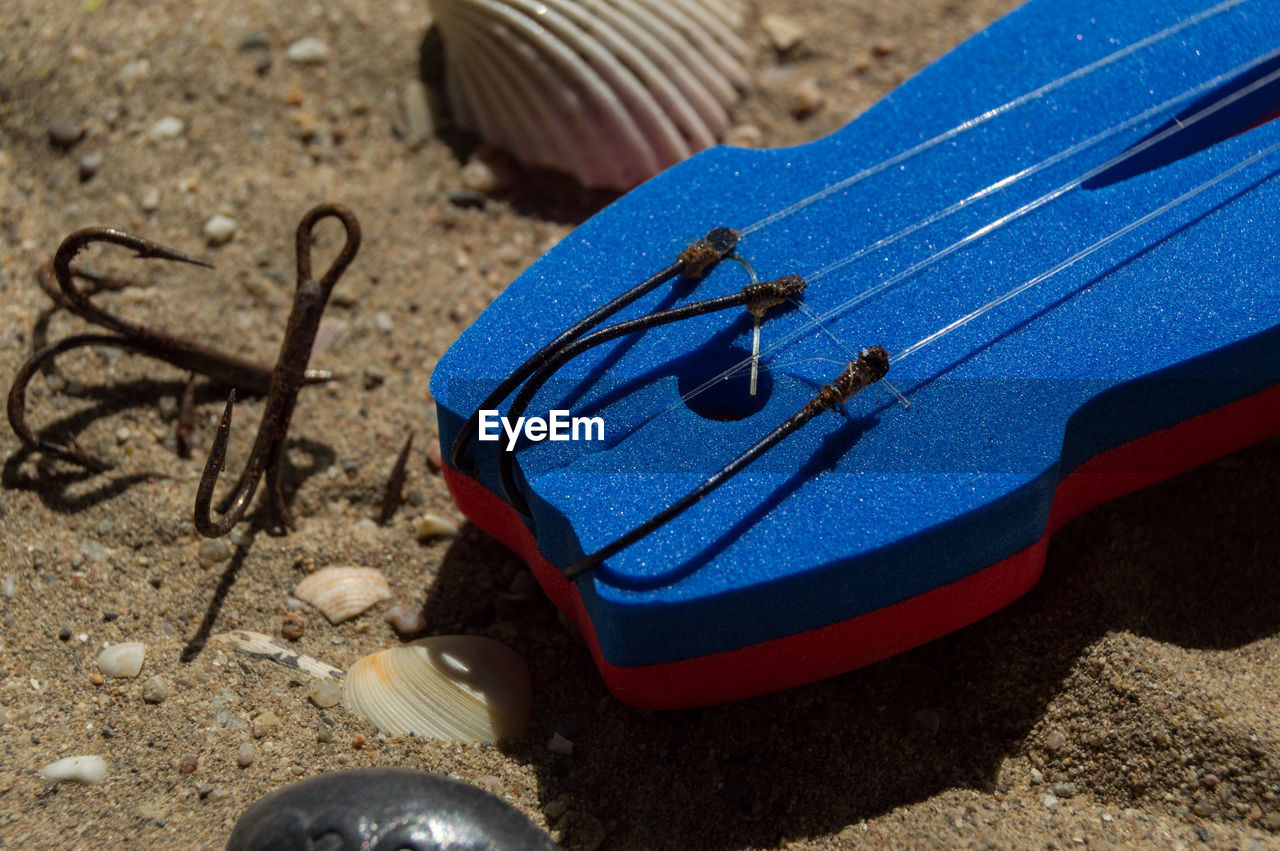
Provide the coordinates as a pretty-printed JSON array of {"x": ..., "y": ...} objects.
[{"x": 826, "y": 651}]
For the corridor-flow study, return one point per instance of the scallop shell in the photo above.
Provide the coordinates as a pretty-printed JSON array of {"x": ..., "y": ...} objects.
[
  {"x": 452, "y": 687},
  {"x": 611, "y": 91},
  {"x": 341, "y": 593}
]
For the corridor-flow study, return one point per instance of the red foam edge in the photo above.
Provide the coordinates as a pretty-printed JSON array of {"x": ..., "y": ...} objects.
[{"x": 839, "y": 647}]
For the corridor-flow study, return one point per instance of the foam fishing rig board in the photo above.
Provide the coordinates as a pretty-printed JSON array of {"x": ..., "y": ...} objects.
[{"x": 1151, "y": 347}]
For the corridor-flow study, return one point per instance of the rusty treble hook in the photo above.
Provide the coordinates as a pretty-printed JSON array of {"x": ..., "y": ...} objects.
[{"x": 286, "y": 379}]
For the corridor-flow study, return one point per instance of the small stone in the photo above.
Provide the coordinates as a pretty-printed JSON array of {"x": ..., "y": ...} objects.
[
  {"x": 90, "y": 162},
  {"x": 122, "y": 660},
  {"x": 806, "y": 98},
  {"x": 467, "y": 199},
  {"x": 1210, "y": 780},
  {"x": 65, "y": 633},
  {"x": 406, "y": 620},
  {"x": 1202, "y": 809},
  {"x": 481, "y": 175},
  {"x": 150, "y": 202},
  {"x": 308, "y": 51},
  {"x": 884, "y": 48},
  {"x": 382, "y": 319},
  {"x": 64, "y": 132},
  {"x": 324, "y": 734},
  {"x": 1055, "y": 741},
  {"x": 1272, "y": 821},
  {"x": 110, "y": 615},
  {"x": 1064, "y": 790},
  {"x": 292, "y": 626},
  {"x": 744, "y": 136},
  {"x": 255, "y": 41},
  {"x": 89, "y": 769},
  {"x": 167, "y": 128},
  {"x": 783, "y": 33},
  {"x": 188, "y": 765},
  {"x": 245, "y": 754},
  {"x": 265, "y": 724},
  {"x": 555, "y": 809},
  {"x": 204, "y": 790},
  {"x": 219, "y": 230},
  {"x": 374, "y": 378},
  {"x": 929, "y": 720},
  {"x": 358, "y": 741},
  {"x": 433, "y": 526},
  {"x": 155, "y": 689},
  {"x": 1050, "y": 801},
  {"x": 558, "y": 744},
  {"x": 305, "y": 124},
  {"x": 325, "y": 693},
  {"x": 96, "y": 679},
  {"x": 417, "y": 113}
]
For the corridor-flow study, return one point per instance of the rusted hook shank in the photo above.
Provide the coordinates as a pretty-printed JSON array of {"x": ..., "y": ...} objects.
[{"x": 288, "y": 377}]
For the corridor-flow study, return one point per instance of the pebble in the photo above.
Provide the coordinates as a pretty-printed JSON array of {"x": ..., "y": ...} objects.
[
  {"x": 382, "y": 319},
  {"x": 188, "y": 764},
  {"x": 806, "y": 98},
  {"x": 1050, "y": 801},
  {"x": 122, "y": 660},
  {"x": 325, "y": 693},
  {"x": 89, "y": 769},
  {"x": 218, "y": 231},
  {"x": 150, "y": 202},
  {"x": 324, "y": 734},
  {"x": 213, "y": 551},
  {"x": 1272, "y": 821},
  {"x": 292, "y": 626},
  {"x": 435, "y": 457},
  {"x": 406, "y": 620},
  {"x": 479, "y": 175},
  {"x": 1064, "y": 790},
  {"x": 560, "y": 745},
  {"x": 467, "y": 199},
  {"x": 245, "y": 754},
  {"x": 308, "y": 51},
  {"x": 1055, "y": 741},
  {"x": 64, "y": 132},
  {"x": 155, "y": 689},
  {"x": 744, "y": 136},
  {"x": 417, "y": 113},
  {"x": 90, "y": 162},
  {"x": 167, "y": 128},
  {"x": 265, "y": 724},
  {"x": 783, "y": 33},
  {"x": 433, "y": 526},
  {"x": 65, "y": 633},
  {"x": 255, "y": 41}
]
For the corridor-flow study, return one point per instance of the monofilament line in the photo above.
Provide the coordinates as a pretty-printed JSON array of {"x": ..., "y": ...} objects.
[
  {"x": 983, "y": 232},
  {"x": 981, "y": 119},
  {"x": 1080, "y": 255}
]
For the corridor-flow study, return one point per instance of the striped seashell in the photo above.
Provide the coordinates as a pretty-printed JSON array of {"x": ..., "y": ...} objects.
[
  {"x": 611, "y": 91},
  {"x": 451, "y": 687},
  {"x": 341, "y": 593}
]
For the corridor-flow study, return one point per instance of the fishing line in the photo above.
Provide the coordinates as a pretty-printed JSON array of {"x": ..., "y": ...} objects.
[
  {"x": 979, "y": 234},
  {"x": 984, "y": 117},
  {"x": 1067, "y": 153},
  {"x": 1079, "y": 255}
]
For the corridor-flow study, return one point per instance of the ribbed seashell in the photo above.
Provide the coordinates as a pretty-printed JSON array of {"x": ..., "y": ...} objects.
[
  {"x": 452, "y": 687},
  {"x": 341, "y": 593},
  {"x": 611, "y": 91}
]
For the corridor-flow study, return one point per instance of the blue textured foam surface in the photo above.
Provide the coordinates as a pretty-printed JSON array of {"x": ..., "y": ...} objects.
[{"x": 866, "y": 508}]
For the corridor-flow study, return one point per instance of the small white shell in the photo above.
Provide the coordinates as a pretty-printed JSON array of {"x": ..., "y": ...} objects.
[
  {"x": 451, "y": 687},
  {"x": 611, "y": 91},
  {"x": 122, "y": 660},
  {"x": 90, "y": 769},
  {"x": 341, "y": 593}
]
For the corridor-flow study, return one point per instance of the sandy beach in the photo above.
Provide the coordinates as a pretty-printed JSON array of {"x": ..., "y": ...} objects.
[{"x": 1130, "y": 700}]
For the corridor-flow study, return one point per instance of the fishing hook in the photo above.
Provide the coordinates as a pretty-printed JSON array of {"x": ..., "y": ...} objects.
[
  {"x": 57, "y": 279},
  {"x": 287, "y": 378}
]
